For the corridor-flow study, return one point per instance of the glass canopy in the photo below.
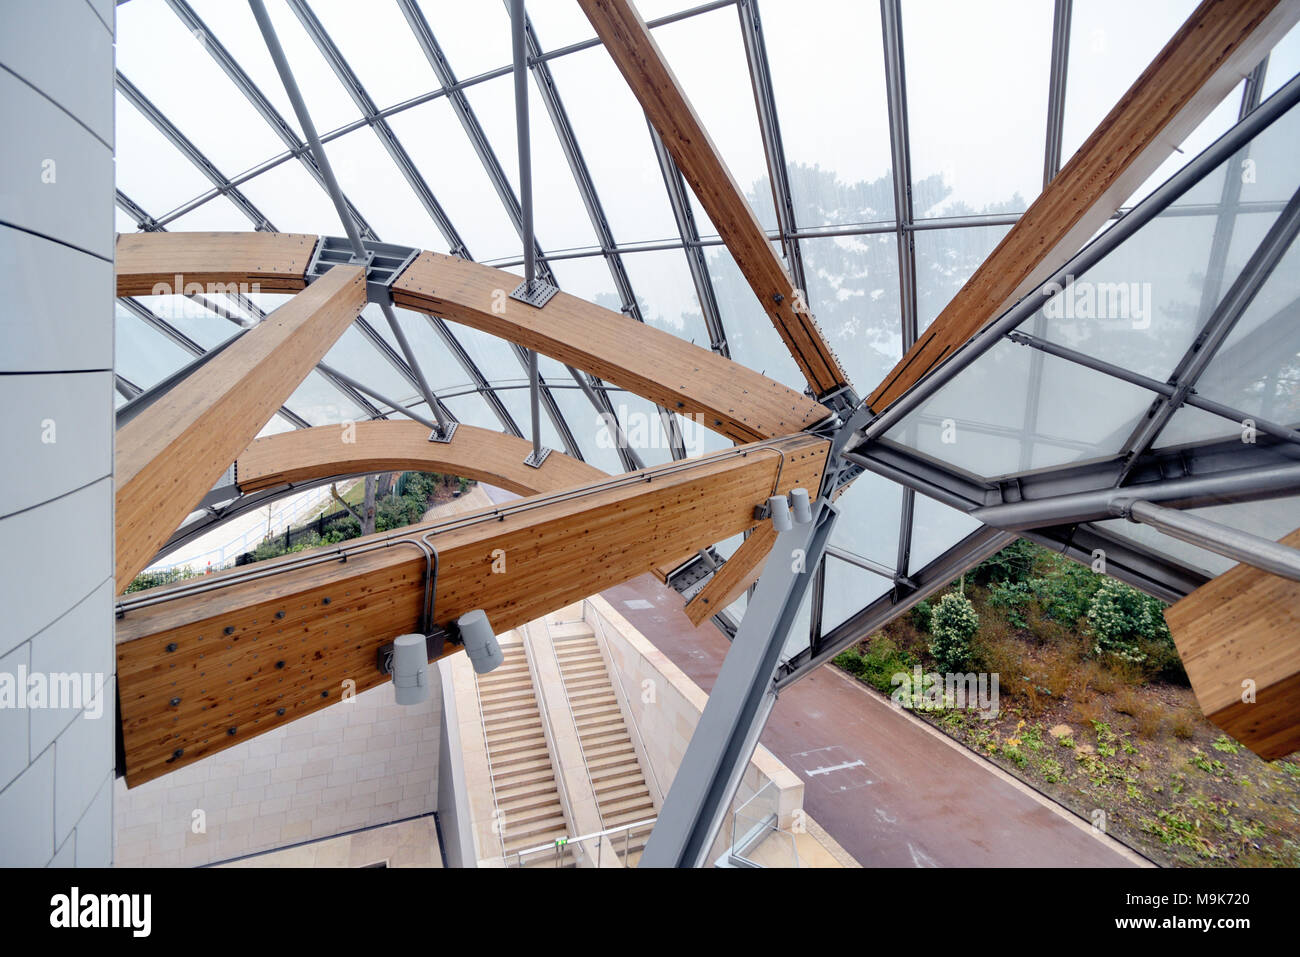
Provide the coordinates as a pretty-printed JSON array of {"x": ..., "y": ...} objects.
[{"x": 415, "y": 104}]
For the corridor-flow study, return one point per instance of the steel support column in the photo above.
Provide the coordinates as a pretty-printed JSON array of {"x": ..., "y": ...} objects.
[{"x": 700, "y": 797}]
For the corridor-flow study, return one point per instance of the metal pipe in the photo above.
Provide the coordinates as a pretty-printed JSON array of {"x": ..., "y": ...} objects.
[
  {"x": 526, "y": 202},
  {"x": 1214, "y": 155},
  {"x": 1272, "y": 557},
  {"x": 1242, "y": 485},
  {"x": 335, "y": 193},
  {"x": 362, "y": 387}
]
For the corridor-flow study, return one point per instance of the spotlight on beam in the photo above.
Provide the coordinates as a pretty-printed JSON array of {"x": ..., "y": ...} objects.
[
  {"x": 800, "y": 506},
  {"x": 410, "y": 669},
  {"x": 780, "y": 509},
  {"x": 480, "y": 642}
]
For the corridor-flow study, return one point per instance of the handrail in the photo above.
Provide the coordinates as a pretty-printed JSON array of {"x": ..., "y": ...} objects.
[
  {"x": 635, "y": 727},
  {"x": 543, "y": 709},
  {"x": 566, "y": 841},
  {"x": 568, "y": 704}
]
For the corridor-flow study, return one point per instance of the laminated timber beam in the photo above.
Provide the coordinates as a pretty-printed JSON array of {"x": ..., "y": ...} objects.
[
  {"x": 170, "y": 454},
  {"x": 736, "y": 574},
  {"x": 204, "y": 666},
  {"x": 682, "y": 377},
  {"x": 740, "y": 403},
  {"x": 637, "y": 56},
  {"x": 275, "y": 262},
  {"x": 1209, "y": 55},
  {"x": 1240, "y": 633},
  {"x": 403, "y": 446}
]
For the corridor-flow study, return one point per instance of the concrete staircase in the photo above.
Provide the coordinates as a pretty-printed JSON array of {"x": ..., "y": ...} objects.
[
  {"x": 523, "y": 779},
  {"x": 622, "y": 795}
]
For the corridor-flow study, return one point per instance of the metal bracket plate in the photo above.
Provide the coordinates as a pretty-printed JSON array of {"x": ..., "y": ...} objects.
[
  {"x": 435, "y": 642},
  {"x": 536, "y": 295},
  {"x": 535, "y": 459},
  {"x": 443, "y": 435},
  {"x": 384, "y": 262}
]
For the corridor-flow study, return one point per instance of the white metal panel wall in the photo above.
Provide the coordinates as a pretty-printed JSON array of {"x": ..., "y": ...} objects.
[{"x": 56, "y": 486}]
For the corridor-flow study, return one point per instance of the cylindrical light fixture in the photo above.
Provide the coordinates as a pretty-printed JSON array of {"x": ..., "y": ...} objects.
[
  {"x": 780, "y": 513},
  {"x": 481, "y": 644},
  {"x": 410, "y": 669},
  {"x": 800, "y": 506}
]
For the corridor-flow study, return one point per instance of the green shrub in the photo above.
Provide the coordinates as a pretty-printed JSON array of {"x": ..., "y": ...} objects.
[
  {"x": 1015, "y": 597},
  {"x": 1066, "y": 590},
  {"x": 1120, "y": 618},
  {"x": 952, "y": 624},
  {"x": 154, "y": 579},
  {"x": 920, "y": 615},
  {"x": 881, "y": 660},
  {"x": 1015, "y": 563}
]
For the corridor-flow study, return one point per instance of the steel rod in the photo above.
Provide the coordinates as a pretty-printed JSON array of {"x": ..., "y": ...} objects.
[
  {"x": 336, "y": 194},
  {"x": 1269, "y": 556}
]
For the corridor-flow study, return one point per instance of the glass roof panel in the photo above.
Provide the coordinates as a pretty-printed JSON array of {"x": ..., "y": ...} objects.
[
  {"x": 474, "y": 37},
  {"x": 977, "y": 78},
  {"x": 830, "y": 99},
  {"x": 847, "y": 590},
  {"x": 289, "y": 197},
  {"x": 643, "y": 427},
  {"x": 870, "y": 514},
  {"x": 150, "y": 169},
  {"x": 317, "y": 401},
  {"x": 369, "y": 177},
  {"x": 753, "y": 341},
  {"x": 935, "y": 529},
  {"x": 217, "y": 214},
  {"x": 373, "y": 37},
  {"x": 560, "y": 221},
  {"x": 1015, "y": 408},
  {"x": 153, "y": 49},
  {"x": 665, "y": 293},
  {"x": 945, "y": 259},
  {"x": 1111, "y": 43},
  {"x": 611, "y": 130},
  {"x": 144, "y": 355},
  {"x": 707, "y": 55},
  {"x": 439, "y": 146},
  {"x": 853, "y": 293},
  {"x": 1283, "y": 63},
  {"x": 356, "y": 356}
]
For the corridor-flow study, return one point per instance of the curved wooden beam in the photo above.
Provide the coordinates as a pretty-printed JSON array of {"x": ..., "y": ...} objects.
[
  {"x": 401, "y": 446},
  {"x": 243, "y": 651},
  {"x": 275, "y": 262},
  {"x": 740, "y": 403}
]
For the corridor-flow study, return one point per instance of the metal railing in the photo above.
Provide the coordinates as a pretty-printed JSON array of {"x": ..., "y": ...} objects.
[{"x": 580, "y": 845}]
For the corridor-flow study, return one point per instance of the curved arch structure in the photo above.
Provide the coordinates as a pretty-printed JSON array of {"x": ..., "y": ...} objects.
[
  {"x": 740, "y": 403},
  {"x": 391, "y": 446}
]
